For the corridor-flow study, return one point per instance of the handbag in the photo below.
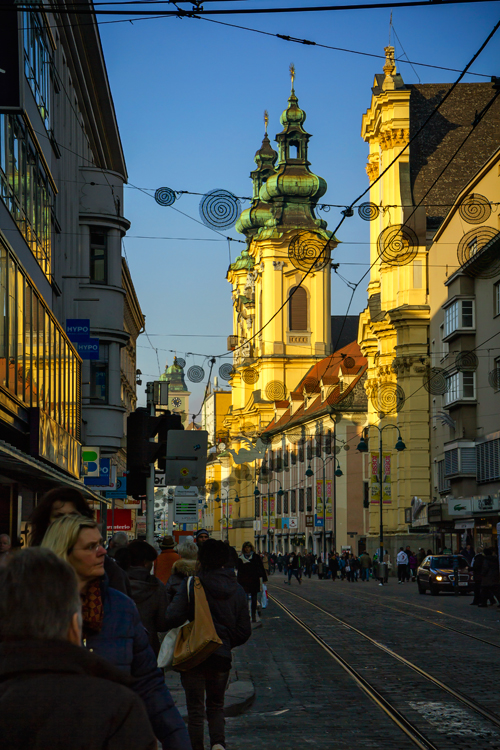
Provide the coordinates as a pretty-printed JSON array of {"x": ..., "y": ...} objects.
[
  {"x": 166, "y": 653},
  {"x": 198, "y": 639}
]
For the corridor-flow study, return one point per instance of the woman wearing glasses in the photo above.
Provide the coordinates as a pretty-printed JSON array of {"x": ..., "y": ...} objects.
[{"x": 111, "y": 625}]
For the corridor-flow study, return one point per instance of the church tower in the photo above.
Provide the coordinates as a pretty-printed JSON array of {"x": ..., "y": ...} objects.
[
  {"x": 281, "y": 281},
  {"x": 178, "y": 394}
]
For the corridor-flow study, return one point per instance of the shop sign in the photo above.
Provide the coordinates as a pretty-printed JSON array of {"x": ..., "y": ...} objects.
[
  {"x": 485, "y": 504},
  {"x": 435, "y": 513},
  {"x": 50, "y": 441},
  {"x": 122, "y": 518},
  {"x": 309, "y": 522},
  {"x": 293, "y": 523},
  {"x": 460, "y": 506}
]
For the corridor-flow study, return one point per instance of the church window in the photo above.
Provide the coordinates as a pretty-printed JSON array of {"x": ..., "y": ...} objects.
[{"x": 298, "y": 309}]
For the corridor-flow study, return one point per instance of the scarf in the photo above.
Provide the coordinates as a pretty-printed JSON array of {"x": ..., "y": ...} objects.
[{"x": 92, "y": 607}]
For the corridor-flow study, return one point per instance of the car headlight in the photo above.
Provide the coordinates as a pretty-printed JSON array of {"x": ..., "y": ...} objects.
[{"x": 439, "y": 578}]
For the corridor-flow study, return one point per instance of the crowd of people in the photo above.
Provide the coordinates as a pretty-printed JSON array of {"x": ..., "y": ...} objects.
[{"x": 81, "y": 627}]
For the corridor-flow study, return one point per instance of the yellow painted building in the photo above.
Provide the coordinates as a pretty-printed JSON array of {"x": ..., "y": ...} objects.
[
  {"x": 276, "y": 340},
  {"x": 411, "y": 192}
]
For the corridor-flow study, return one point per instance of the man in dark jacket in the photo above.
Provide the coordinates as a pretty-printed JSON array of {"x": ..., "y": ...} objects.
[
  {"x": 53, "y": 693},
  {"x": 229, "y": 609},
  {"x": 148, "y": 592},
  {"x": 490, "y": 578},
  {"x": 477, "y": 566},
  {"x": 250, "y": 570}
]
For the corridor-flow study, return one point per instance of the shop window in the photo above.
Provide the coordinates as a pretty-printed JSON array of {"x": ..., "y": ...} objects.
[{"x": 37, "y": 63}]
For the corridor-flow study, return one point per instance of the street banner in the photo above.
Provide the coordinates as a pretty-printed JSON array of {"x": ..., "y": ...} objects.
[
  {"x": 329, "y": 499},
  {"x": 272, "y": 512},
  {"x": 386, "y": 479},
  {"x": 319, "y": 498},
  {"x": 264, "y": 513},
  {"x": 230, "y": 516}
]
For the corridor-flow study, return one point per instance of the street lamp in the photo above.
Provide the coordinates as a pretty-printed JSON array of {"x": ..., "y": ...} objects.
[
  {"x": 363, "y": 448},
  {"x": 256, "y": 493},
  {"x": 337, "y": 473},
  {"x": 236, "y": 500}
]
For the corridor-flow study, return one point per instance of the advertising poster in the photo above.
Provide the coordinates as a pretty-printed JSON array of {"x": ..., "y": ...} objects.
[
  {"x": 329, "y": 499},
  {"x": 386, "y": 479},
  {"x": 272, "y": 512},
  {"x": 230, "y": 516},
  {"x": 319, "y": 498},
  {"x": 264, "y": 514}
]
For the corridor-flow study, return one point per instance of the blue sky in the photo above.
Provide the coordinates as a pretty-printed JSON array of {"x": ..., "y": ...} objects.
[{"x": 190, "y": 95}]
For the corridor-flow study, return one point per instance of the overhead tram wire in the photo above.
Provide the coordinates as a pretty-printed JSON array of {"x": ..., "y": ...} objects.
[{"x": 396, "y": 158}]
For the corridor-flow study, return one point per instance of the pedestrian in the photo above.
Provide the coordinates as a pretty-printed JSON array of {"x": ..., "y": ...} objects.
[
  {"x": 365, "y": 563},
  {"x": 388, "y": 565},
  {"x": 319, "y": 563},
  {"x": 148, "y": 592},
  {"x": 201, "y": 537},
  {"x": 477, "y": 566},
  {"x": 162, "y": 566},
  {"x": 112, "y": 627},
  {"x": 294, "y": 568},
  {"x": 119, "y": 540},
  {"x": 265, "y": 562},
  {"x": 206, "y": 684},
  {"x": 420, "y": 556},
  {"x": 408, "y": 567},
  {"x": 413, "y": 566},
  {"x": 490, "y": 578},
  {"x": 402, "y": 561},
  {"x": 333, "y": 565},
  {"x": 5, "y": 549},
  {"x": 468, "y": 553},
  {"x": 53, "y": 693},
  {"x": 182, "y": 568},
  {"x": 64, "y": 501},
  {"x": 251, "y": 575}
]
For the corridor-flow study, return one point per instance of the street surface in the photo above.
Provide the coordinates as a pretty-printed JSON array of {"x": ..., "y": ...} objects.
[{"x": 305, "y": 697}]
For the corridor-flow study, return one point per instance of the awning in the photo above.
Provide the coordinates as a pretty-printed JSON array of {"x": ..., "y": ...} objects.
[{"x": 32, "y": 472}]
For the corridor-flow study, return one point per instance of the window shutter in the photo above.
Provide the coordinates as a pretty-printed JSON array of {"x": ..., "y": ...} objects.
[{"x": 298, "y": 309}]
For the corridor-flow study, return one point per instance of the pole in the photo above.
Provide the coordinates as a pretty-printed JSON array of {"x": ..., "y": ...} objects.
[
  {"x": 268, "y": 516},
  {"x": 334, "y": 489},
  {"x": 380, "y": 471},
  {"x": 324, "y": 513},
  {"x": 150, "y": 486}
]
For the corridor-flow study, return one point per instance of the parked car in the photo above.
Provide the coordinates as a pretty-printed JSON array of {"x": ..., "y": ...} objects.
[{"x": 437, "y": 573}]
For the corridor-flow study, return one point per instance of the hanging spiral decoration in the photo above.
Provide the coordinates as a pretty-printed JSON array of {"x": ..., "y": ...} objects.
[
  {"x": 181, "y": 362},
  {"x": 397, "y": 245},
  {"x": 226, "y": 371},
  {"x": 338, "y": 448},
  {"x": 466, "y": 361},
  {"x": 494, "y": 379},
  {"x": 475, "y": 209},
  {"x": 196, "y": 374},
  {"x": 219, "y": 209},
  {"x": 368, "y": 211},
  {"x": 165, "y": 197},
  {"x": 294, "y": 437},
  {"x": 349, "y": 362},
  {"x": 275, "y": 391},
  {"x": 435, "y": 381},
  {"x": 250, "y": 375},
  {"x": 308, "y": 251},
  {"x": 471, "y": 244},
  {"x": 388, "y": 398},
  {"x": 347, "y": 447}
]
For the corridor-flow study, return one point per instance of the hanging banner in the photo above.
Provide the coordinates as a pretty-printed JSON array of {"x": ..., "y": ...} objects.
[
  {"x": 386, "y": 479},
  {"x": 329, "y": 499},
  {"x": 272, "y": 512},
  {"x": 319, "y": 498},
  {"x": 264, "y": 514},
  {"x": 230, "y": 516}
]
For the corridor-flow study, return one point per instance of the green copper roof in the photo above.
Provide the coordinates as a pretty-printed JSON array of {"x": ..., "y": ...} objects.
[
  {"x": 175, "y": 374},
  {"x": 242, "y": 262}
]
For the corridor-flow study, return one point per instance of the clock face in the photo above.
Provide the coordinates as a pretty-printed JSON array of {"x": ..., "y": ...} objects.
[{"x": 176, "y": 401}]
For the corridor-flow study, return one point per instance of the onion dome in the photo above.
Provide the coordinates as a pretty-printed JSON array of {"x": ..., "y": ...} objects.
[
  {"x": 259, "y": 213},
  {"x": 175, "y": 375}
]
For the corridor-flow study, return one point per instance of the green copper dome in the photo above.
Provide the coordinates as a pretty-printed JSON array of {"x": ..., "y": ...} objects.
[
  {"x": 175, "y": 375},
  {"x": 243, "y": 262},
  {"x": 259, "y": 213}
]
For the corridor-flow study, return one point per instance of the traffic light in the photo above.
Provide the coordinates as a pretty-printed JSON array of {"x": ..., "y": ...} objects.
[{"x": 141, "y": 426}]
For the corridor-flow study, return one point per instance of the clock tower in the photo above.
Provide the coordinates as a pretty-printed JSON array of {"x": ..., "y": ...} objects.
[{"x": 178, "y": 394}]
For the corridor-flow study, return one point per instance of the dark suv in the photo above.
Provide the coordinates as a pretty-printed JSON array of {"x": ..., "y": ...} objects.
[{"x": 437, "y": 573}]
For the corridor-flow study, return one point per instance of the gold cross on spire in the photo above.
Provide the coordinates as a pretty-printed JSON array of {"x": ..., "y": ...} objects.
[
  {"x": 266, "y": 119},
  {"x": 292, "y": 73}
]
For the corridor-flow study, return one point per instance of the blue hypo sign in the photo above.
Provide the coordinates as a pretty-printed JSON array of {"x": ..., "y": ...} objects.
[
  {"x": 78, "y": 329},
  {"x": 88, "y": 349}
]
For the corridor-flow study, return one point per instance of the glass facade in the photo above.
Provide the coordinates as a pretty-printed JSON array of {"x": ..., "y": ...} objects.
[
  {"x": 38, "y": 364},
  {"x": 37, "y": 63},
  {"x": 25, "y": 188}
]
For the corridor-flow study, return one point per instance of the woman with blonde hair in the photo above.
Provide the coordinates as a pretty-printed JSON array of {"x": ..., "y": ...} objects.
[{"x": 112, "y": 627}]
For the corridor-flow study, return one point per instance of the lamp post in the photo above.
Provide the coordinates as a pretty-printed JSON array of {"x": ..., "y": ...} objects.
[
  {"x": 337, "y": 473},
  {"x": 256, "y": 493},
  {"x": 236, "y": 500},
  {"x": 363, "y": 448}
]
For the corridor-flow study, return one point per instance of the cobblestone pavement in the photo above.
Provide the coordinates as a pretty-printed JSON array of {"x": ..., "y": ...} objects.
[{"x": 304, "y": 697}]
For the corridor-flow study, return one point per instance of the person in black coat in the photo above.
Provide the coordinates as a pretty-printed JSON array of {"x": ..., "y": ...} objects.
[
  {"x": 53, "y": 693},
  {"x": 250, "y": 571},
  {"x": 490, "y": 578},
  {"x": 228, "y": 606},
  {"x": 148, "y": 592},
  {"x": 477, "y": 565}
]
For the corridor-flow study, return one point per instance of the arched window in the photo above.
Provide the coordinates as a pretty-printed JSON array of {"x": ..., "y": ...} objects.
[{"x": 298, "y": 309}]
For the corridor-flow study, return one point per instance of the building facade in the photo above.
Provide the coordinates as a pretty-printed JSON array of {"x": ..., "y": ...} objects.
[
  {"x": 62, "y": 172},
  {"x": 413, "y": 185}
]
